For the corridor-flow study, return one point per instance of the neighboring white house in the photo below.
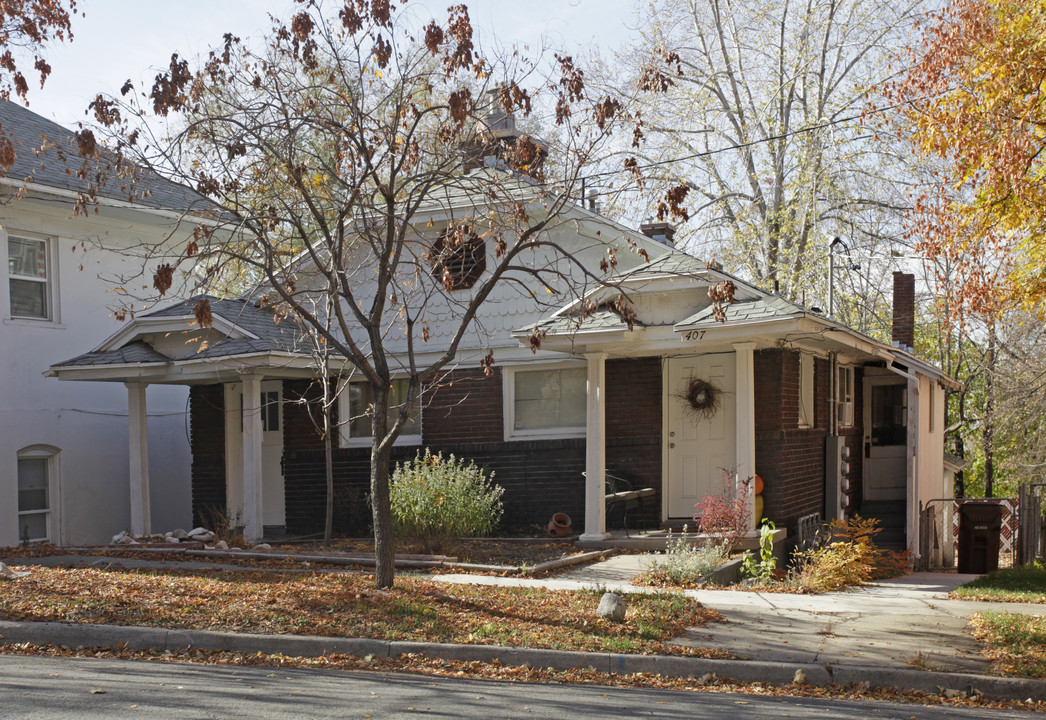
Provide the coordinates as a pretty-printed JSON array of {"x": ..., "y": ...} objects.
[{"x": 64, "y": 447}]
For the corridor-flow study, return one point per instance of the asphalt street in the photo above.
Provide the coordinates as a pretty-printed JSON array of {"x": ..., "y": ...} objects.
[{"x": 36, "y": 688}]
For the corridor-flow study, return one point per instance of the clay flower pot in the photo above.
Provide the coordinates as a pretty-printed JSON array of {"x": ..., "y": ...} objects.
[{"x": 559, "y": 525}]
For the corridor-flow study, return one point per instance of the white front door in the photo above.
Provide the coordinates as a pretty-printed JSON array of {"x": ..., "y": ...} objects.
[
  {"x": 273, "y": 497},
  {"x": 699, "y": 448},
  {"x": 885, "y": 439}
]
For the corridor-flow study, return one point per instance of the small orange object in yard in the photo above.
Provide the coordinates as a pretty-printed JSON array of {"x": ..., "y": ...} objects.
[
  {"x": 758, "y": 485},
  {"x": 559, "y": 525}
]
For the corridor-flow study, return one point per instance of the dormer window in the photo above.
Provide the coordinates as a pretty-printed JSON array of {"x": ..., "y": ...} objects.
[{"x": 459, "y": 257}]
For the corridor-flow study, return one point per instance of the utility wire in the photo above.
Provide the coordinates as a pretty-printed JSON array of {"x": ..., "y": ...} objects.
[{"x": 771, "y": 138}]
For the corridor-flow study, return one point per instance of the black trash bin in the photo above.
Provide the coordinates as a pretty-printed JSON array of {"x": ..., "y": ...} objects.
[{"x": 980, "y": 529}]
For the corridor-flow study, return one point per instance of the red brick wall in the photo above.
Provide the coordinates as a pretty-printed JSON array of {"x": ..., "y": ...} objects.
[
  {"x": 303, "y": 415},
  {"x": 790, "y": 459},
  {"x": 634, "y": 422},
  {"x": 904, "y": 309},
  {"x": 207, "y": 441},
  {"x": 466, "y": 406},
  {"x": 464, "y": 415}
]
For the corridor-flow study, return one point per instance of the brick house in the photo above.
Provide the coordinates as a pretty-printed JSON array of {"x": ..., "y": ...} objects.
[{"x": 832, "y": 420}]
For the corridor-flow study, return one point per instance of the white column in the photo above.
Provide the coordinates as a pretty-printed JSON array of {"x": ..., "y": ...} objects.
[
  {"x": 252, "y": 459},
  {"x": 137, "y": 420},
  {"x": 745, "y": 398},
  {"x": 595, "y": 450}
]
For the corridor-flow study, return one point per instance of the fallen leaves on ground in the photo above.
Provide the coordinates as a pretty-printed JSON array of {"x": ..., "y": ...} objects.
[
  {"x": 481, "y": 551},
  {"x": 1015, "y": 643},
  {"x": 421, "y": 665},
  {"x": 348, "y": 605},
  {"x": 509, "y": 554}
]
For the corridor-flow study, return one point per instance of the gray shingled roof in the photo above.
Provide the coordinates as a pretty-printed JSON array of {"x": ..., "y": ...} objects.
[
  {"x": 57, "y": 165},
  {"x": 137, "y": 353},
  {"x": 275, "y": 334},
  {"x": 767, "y": 308},
  {"x": 674, "y": 262},
  {"x": 600, "y": 320}
]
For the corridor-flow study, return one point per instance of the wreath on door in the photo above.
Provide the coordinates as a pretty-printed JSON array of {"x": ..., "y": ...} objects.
[{"x": 702, "y": 398}]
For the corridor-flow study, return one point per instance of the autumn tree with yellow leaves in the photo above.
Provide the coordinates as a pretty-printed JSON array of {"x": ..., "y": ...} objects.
[{"x": 975, "y": 99}]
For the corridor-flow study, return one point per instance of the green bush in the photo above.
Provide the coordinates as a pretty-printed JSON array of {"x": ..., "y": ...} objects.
[
  {"x": 440, "y": 500},
  {"x": 761, "y": 570},
  {"x": 685, "y": 564}
]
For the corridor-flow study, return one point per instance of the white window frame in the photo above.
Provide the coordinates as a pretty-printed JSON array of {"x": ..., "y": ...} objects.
[
  {"x": 933, "y": 407},
  {"x": 509, "y": 395},
  {"x": 845, "y": 395},
  {"x": 807, "y": 416},
  {"x": 51, "y": 455},
  {"x": 345, "y": 412},
  {"x": 53, "y": 316}
]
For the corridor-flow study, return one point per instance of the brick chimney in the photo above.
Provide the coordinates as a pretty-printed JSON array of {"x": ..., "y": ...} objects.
[
  {"x": 661, "y": 231},
  {"x": 904, "y": 311},
  {"x": 495, "y": 145}
]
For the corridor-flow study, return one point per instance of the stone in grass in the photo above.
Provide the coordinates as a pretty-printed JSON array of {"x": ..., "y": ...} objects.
[
  {"x": 180, "y": 534},
  {"x": 201, "y": 535},
  {"x": 123, "y": 539},
  {"x": 262, "y": 546},
  {"x": 221, "y": 545},
  {"x": 7, "y": 573},
  {"x": 611, "y": 607}
]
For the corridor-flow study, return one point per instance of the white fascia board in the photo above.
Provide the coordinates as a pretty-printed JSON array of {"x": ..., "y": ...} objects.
[
  {"x": 179, "y": 215},
  {"x": 718, "y": 327},
  {"x": 170, "y": 323},
  {"x": 890, "y": 354},
  {"x": 124, "y": 372},
  {"x": 268, "y": 358},
  {"x": 768, "y": 331}
]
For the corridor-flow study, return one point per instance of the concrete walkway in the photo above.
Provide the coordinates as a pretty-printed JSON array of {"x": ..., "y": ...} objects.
[{"x": 906, "y": 622}]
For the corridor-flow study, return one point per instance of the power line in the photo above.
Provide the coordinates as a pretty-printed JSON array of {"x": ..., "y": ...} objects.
[{"x": 771, "y": 138}]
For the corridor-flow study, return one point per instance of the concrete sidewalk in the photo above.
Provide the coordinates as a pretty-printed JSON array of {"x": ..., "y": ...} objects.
[{"x": 906, "y": 622}]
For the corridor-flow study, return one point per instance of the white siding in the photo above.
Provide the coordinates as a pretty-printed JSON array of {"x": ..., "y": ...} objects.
[{"x": 86, "y": 421}]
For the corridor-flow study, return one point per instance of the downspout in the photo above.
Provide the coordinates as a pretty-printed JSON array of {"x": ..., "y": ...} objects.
[
  {"x": 833, "y": 393},
  {"x": 912, "y": 525}
]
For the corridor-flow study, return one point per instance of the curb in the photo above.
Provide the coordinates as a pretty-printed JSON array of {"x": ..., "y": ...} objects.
[{"x": 777, "y": 673}]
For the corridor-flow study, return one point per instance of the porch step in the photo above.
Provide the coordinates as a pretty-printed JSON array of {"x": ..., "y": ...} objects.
[{"x": 892, "y": 520}]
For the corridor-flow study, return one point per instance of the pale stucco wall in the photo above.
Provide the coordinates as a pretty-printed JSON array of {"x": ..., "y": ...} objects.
[{"x": 85, "y": 421}]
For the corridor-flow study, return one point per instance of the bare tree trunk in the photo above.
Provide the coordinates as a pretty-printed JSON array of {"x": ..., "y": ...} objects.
[
  {"x": 988, "y": 435},
  {"x": 328, "y": 452},
  {"x": 384, "y": 548},
  {"x": 381, "y": 505}
]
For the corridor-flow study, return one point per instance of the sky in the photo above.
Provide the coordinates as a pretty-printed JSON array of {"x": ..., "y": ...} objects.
[{"x": 131, "y": 39}]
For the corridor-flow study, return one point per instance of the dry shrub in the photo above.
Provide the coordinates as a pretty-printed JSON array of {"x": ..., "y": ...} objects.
[
  {"x": 850, "y": 557},
  {"x": 726, "y": 515}
]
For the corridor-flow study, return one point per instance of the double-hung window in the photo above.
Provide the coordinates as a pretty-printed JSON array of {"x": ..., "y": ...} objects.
[
  {"x": 29, "y": 277},
  {"x": 356, "y": 412},
  {"x": 806, "y": 390},
  {"x": 546, "y": 402},
  {"x": 36, "y": 496},
  {"x": 845, "y": 397}
]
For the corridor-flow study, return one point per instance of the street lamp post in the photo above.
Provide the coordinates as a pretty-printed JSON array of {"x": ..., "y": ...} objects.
[{"x": 836, "y": 242}]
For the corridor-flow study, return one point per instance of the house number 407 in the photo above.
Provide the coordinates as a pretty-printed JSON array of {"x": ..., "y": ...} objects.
[{"x": 694, "y": 335}]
